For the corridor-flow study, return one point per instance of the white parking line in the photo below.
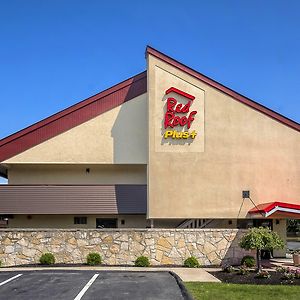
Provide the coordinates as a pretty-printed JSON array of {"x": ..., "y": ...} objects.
[
  {"x": 10, "y": 279},
  {"x": 86, "y": 287}
]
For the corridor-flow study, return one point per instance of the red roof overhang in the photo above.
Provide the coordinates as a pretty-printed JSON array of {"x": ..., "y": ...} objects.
[
  {"x": 73, "y": 116},
  {"x": 109, "y": 99},
  {"x": 276, "y": 209}
]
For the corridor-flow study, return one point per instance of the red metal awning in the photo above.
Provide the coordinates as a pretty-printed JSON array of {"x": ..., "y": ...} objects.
[{"x": 276, "y": 210}]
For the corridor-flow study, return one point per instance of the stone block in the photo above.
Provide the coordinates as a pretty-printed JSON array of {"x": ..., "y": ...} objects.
[
  {"x": 164, "y": 243},
  {"x": 9, "y": 249},
  {"x": 115, "y": 248}
]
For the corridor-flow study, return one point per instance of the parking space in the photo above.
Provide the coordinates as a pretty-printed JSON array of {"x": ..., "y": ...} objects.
[
  {"x": 88, "y": 285},
  {"x": 6, "y": 277}
]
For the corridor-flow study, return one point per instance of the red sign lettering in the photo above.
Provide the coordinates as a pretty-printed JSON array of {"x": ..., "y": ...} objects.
[{"x": 173, "y": 108}]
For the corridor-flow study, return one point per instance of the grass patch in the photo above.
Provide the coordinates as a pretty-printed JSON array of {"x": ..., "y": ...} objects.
[{"x": 228, "y": 291}]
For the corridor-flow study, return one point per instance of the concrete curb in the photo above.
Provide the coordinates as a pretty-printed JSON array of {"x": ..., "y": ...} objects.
[{"x": 185, "y": 293}]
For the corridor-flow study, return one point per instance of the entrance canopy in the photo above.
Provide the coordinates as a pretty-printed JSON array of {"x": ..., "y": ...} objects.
[{"x": 276, "y": 210}]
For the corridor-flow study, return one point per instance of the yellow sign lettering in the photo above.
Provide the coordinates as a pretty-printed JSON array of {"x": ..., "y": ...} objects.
[{"x": 174, "y": 134}]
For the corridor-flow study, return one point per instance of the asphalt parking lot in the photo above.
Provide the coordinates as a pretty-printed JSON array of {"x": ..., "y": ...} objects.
[{"x": 88, "y": 285}]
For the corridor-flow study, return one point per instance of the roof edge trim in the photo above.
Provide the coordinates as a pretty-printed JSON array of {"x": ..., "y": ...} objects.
[
  {"x": 73, "y": 116},
  {"x": 235, "y": 95},
  {"x": 73, "y": 108}
]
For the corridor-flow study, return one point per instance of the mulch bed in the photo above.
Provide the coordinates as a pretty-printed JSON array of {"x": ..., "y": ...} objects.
[{"x": 276, "y": 278}]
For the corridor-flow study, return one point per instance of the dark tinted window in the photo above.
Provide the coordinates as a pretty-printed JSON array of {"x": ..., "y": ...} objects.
[{"x": 80, "y": 220}]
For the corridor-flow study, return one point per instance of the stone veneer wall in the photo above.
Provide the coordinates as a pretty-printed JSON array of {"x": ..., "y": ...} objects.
[{"x": 121, "y": 246}]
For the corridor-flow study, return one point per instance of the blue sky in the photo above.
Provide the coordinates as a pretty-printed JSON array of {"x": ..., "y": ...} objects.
[{"x": 54, "y": 53}]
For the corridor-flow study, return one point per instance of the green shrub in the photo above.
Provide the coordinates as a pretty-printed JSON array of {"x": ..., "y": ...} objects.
[
  {"x": 0, "y": 263},
  {"x": 289, "y": 276},
  {"x": 191, "y": 262},
  {"x": 93, "y": 259},
  {"x": 263, "y": 274},
  {"x": 142, "y": 261},
  {"x": 47, "y": 259},
  {"x": 248, "y": 261},
  {"x": 281, "y": 269},
  {"x": 228, "y": 269},
  {"x": 242, "y": 270}
]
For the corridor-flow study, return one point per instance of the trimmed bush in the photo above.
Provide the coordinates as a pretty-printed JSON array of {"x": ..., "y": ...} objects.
[
  {"x": 248, "y": 261},
  {"x": 242, "y": 270},
  {"x": 47, "y": 259},
  {"x": 93, "y": 259},
  {"x": 264, "y": 274},
  {"x": 142, "y": 261},
  {"x": 281, "y": 269},
  {"x": 191, "y": 262},
  {"x": 0, "y": 263},
  {"x": 228, "y": 269}
]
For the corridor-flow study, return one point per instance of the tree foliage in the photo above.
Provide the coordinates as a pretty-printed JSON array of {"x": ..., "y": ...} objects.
[
  {"x": 261, "y": 238},
  {"x": 293, "y": 225}
]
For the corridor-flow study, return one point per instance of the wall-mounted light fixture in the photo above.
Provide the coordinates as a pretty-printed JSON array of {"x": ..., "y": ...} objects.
[{"x": 246, "y": 194}]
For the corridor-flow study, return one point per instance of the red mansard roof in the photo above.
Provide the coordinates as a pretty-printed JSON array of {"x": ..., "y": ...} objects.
[
  {"x": 276, "y": 208},
  {"x": 73, "y": 116},
  {"x": 106, "y": 100},
  {"x": 73, "y": 199}
]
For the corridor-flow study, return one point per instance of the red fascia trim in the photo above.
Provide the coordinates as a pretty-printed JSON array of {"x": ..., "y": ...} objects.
[
  {"x": 272, "y": 114},
  {"x": 262, "y": 208},
  {"x": 73, "y": 116},
  {"x": 266, "y": 207},
  {"x": 179, "y": 92},
  {"x": 287, "y": 205}
]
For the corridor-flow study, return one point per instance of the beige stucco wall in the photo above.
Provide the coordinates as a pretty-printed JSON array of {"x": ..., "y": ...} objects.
[
  {"x": 243, "y": 150},
  {"x": 76, "y": 174},
  {"x": 280, "y": 228},
  {"x": 67, "y": 221},
  {"x": 118, "y": 136}
]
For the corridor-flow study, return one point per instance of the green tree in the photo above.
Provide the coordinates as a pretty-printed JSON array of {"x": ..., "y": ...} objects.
[
  {"x": 293, "y": 225},
  {"x": 261, "y": 238}
]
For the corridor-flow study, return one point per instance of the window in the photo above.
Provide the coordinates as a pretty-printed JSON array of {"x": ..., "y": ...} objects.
[
  {"x": 244, "y": 223},
  {"x": 3, "y": 222},
  {"x": 80, "y": 220},
  {"x": 106, "y": 223}
]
